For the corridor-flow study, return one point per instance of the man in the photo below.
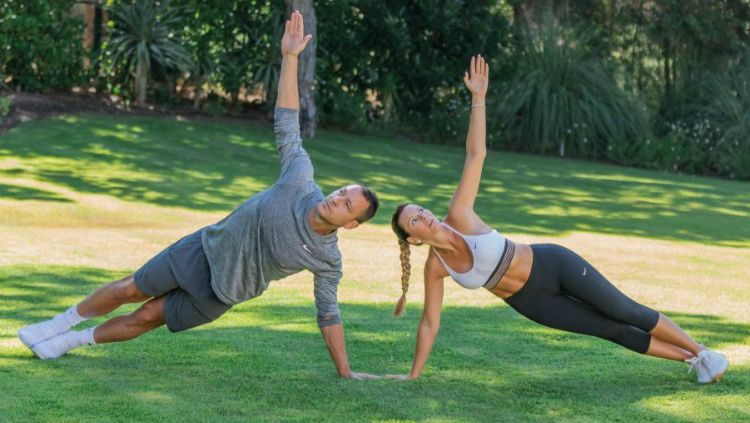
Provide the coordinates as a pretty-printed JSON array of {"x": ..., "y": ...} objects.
[{"x": 278, "y": 232}]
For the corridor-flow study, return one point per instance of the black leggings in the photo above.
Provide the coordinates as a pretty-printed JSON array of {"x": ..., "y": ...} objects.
[{"x": 565, "y": 292}]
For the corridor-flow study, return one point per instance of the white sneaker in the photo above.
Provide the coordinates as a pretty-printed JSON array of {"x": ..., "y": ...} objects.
[
  {"x": 54, "y": 347},
  {"x": 716, "y": 363},
  {"x": 38, "y": 332},
  {"x": 709, "y": 365}
]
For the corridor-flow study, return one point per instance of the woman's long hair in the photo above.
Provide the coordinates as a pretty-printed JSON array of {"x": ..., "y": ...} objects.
[{"x": 405, "y": 253}]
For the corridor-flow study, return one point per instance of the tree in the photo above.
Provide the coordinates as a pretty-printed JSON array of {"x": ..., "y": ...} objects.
[{"x": 144, "y": 33}]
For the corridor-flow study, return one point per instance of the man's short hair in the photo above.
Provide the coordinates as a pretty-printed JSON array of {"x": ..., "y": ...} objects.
[{"x": 372, "y": 199}]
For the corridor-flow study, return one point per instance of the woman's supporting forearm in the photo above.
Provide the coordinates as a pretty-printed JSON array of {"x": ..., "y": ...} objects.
[{"x": 426, "y": 335}]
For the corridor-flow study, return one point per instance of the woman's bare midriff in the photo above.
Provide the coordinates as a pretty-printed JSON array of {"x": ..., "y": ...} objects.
[{"x": 518, "y": 272}]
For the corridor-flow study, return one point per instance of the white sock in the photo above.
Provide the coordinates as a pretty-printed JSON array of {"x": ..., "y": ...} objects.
[
  {"x": 76, "y": 338},
  {"x": 67, "y": 319},
  {"x": 89, "y": 337},
  {"x": 61, "y": 344},
  {"x": 84, "y": 337},
  {"x": 72, "y": 316}
]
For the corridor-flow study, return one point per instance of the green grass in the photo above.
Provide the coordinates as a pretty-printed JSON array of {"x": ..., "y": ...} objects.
[
  {"x": 213, "y": 167},
  {"x": 265, "y": 359}
]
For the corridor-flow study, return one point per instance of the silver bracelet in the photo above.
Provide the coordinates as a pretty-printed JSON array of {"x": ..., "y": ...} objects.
[{"x": 478, "y": 105}]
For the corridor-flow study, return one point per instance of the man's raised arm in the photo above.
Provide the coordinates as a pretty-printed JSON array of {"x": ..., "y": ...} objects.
[
  {"x": 292, "y": 44},
  {"x": 296, "y": 167}
]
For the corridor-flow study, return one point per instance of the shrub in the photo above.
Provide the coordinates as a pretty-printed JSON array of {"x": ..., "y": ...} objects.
[
  {"x": 144, "y": 36},
  {"x": 41, "y": 44},
  {"x": 396, "y": 64},
  {"x": 561, "y": 101},
  {"x": 713, "y": 127}
]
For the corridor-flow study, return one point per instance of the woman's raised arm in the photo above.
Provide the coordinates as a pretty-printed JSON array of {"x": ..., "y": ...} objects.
[{"x": 476, "y": 81}]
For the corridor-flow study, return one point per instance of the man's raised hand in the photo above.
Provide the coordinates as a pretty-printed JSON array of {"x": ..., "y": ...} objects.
[{"x": 294, "y": 39}]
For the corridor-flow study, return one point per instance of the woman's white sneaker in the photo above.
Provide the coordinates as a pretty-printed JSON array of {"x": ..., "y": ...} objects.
[
  {"x": 709, "y": 365},
  {"x": 716, "y": 364}
]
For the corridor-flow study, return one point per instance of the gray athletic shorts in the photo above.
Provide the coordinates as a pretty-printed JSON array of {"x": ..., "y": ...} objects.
[{"x": 181, "y": 273}]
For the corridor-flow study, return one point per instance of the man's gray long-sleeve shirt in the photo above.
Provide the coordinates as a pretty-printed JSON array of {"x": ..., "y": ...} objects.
[{"x": 268, "y": 237}]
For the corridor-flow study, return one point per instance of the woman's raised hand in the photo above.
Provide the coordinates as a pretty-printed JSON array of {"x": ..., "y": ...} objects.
[
  {"x": 294, "y": 39},
  {"x": 478, "y": 78}
]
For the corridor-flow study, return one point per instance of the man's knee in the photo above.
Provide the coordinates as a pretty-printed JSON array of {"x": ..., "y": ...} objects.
[
  {"x": 150, "y": 314},
  {"x": 127, "y": 291}
]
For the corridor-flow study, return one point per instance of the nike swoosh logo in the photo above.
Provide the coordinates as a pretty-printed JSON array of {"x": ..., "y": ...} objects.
[
  {"x": 584, "y": 271},
  {"x": 306, "y": 248}
]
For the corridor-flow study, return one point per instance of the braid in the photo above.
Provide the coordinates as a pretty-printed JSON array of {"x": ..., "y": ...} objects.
[{"x": 405, "y": 273}]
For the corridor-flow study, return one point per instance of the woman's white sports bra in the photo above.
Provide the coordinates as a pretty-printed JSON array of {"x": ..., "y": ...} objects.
[{"x": 487, "y": 249}]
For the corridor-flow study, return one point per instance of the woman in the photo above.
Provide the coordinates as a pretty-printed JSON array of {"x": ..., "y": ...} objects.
[{"x": 548, "y": 284}]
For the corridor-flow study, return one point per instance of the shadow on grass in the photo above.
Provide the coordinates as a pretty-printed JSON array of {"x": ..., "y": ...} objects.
[
  {"x": 29, "y": 293},
  {"x": 205, "y": 166},
  {"x": 25, "y": 193},
  {"x": 488, "y": 364}
]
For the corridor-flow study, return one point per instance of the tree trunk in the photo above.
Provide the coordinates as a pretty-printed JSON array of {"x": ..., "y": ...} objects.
[
  {"x": 306, "y": 68},
  {"x": 519, "y": 23},
  {"x": 197, "y": 91},
  {"x": 141, "y": 77},
  {"x": 533, "y": 13},
  {"x": 98, "y": 20},
  {"x": 667, "y": 54}
]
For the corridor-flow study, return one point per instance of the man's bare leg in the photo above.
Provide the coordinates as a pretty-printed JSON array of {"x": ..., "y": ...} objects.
[
  {"x": 110, "y": 297},
  {"x": 102, "y": 301},
  {"x": 121, "y": 328}
]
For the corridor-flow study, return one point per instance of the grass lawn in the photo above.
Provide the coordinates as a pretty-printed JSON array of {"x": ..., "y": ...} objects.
[{"x": 87, "y": 199}]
